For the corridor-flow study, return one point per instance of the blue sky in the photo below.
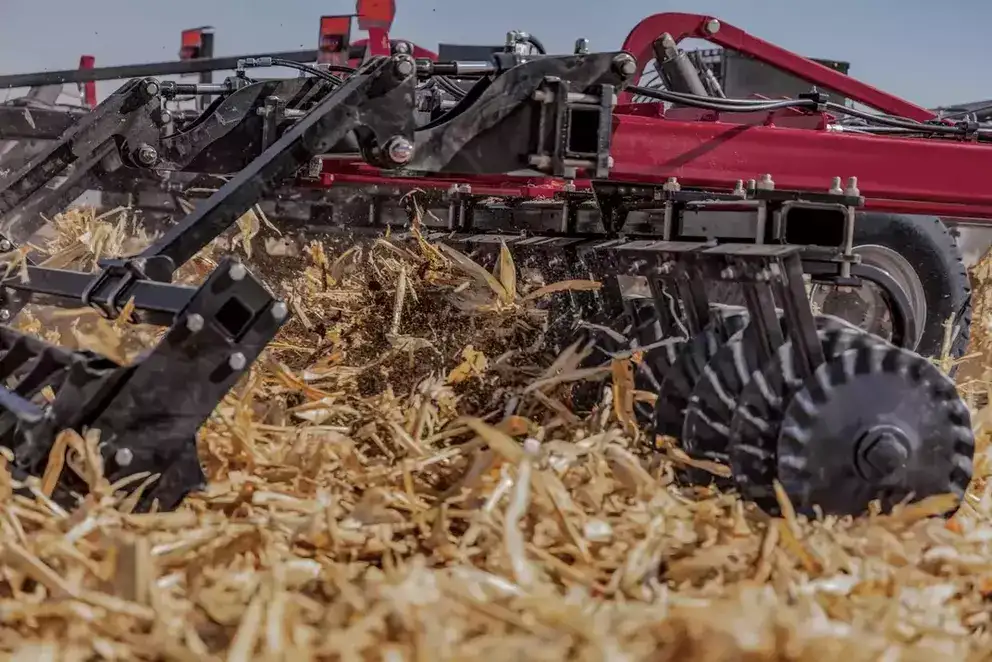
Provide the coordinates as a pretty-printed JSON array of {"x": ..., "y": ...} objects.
[{"x": 931, "y": 53}]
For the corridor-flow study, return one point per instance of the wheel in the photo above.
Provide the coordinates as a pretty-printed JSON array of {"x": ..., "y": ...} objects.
[
  {"x": 920, "y": 254},
  {"x": 874, "y": 422},
  {"x": 761, "y": 405}
]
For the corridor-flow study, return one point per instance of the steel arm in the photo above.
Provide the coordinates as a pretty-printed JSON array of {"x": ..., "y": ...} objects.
[
  {"x": 36, "y": 122},
  {"x": 699, "y": 26},
  {"x": 83, "y": 150},
  {"x": 172, "y": 68},
  {"x": 148, "y": 413}
]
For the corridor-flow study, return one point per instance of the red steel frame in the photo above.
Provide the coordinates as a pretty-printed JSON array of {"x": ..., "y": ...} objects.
[
  {"x": 697, "y": 26},
  {"x": 714, "y": 150}
]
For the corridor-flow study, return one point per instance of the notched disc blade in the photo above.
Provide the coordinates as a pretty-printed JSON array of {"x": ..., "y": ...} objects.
[
  {"x": 874, "y": 422},
  {"x": 757, "y": 419},
  {"x": 706, "y": 431},
  {"x": 692, "y": 357}
]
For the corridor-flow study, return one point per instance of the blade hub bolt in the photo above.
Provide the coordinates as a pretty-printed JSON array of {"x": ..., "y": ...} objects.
[
  {"x": 882, "y": 452},
  {"x": 237, "y": 272},
  {"x": 5, "y": 245}
]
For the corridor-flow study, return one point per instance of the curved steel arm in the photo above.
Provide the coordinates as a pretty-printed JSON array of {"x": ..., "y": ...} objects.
[{"x": 699, "y": 26}]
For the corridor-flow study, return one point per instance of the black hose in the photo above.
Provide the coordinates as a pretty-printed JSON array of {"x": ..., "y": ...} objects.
[
  {"x": 720, "y": 105},
  {"x": 450, "y": 87},
  {"x": 757, "y": 105},
  {"x": 308, "y": 68},
  {"x": 536, "y": 43}
]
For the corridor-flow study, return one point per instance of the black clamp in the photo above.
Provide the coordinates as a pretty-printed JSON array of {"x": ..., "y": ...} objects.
[
  {"x": 128, "y": 271},
  {"x": 969, "y": 129},
  {"x": 125, "y": 272},
  {"x": 818, "y": 98}
]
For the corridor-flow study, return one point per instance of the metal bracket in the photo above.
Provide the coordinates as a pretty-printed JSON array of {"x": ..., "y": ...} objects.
[{"x": 147, "y": 413}]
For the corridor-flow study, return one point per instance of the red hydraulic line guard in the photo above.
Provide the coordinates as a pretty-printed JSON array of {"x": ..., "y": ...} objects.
[
  {"x": 192, "y": 42},
  {"x": 88, "y": 88},
  {"x": 697, "y": 26},
  {"x": 334, "y": 39},
  {"x": 375, "y": 14},
  {"x": 376, "y": 17}
]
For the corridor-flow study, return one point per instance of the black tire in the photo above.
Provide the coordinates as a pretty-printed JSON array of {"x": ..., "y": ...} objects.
[{"x": 929, "y": 247}]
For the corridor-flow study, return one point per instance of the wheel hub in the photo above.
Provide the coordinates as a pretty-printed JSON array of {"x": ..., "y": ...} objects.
[
  {"x": 881, "y": 452},
  {"x": 865, "y": 306}
]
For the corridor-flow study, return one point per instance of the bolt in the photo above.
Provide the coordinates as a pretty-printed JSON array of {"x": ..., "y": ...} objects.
[
  {"x": 852, "y": 187},
  {"x": 712, "y": 26},
  {"x": 237, "y": 361},
  {"x": 4, "y": 315},
  {"x": 766, "y": 183},
  {"x": 404, "y": 66},
  {"x": 625, "y": 65},
  {"x": 5, "y": 245},
  {"x": 727, "y": 274},
  {"x": 279, "y": 311},
  {"x": 237, "y": 271},
  {"x": 671, "y": 184},
  {"x": 739, "y": 188},
  {"x": 581, "y": 46},
  {"x": 152, "y": 88},
  {"x": 401, "y": 48},
  {"x": 886, "y": 454},
  {"x": 195, "y": 322},
  {"x": 881, "y": 452},
  {"x": 835, "y": 188},
  {"x": 399, "y": 150},
  {"x": 123, "y": 457},
  {"x": 163, "y": 117},
  {"x": 147, "y": 155},
  {"x": 315, "y": 167}
]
